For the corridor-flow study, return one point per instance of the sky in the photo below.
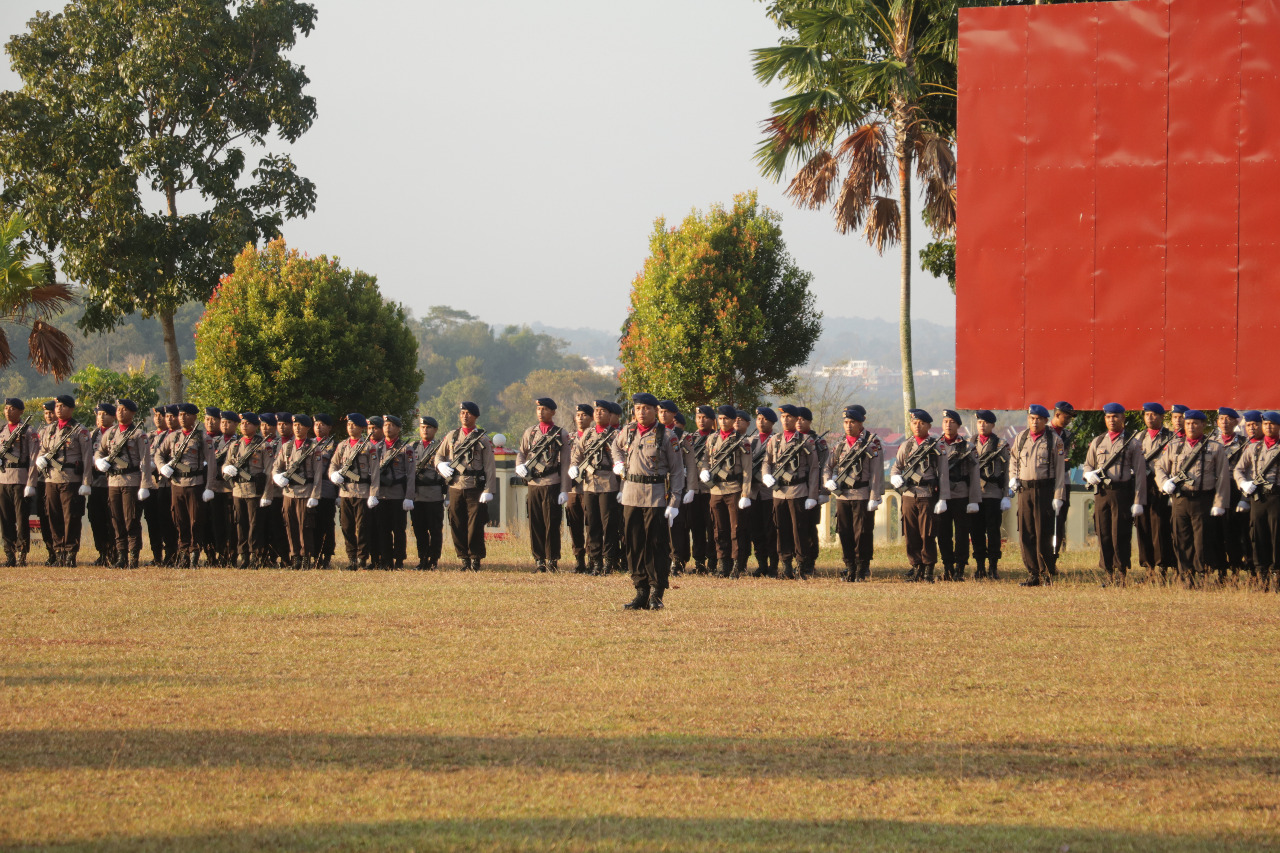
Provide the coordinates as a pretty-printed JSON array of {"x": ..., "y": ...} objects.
[{"x": 509, "y": 158}]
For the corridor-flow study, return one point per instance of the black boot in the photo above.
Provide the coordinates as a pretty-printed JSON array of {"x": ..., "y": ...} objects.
[
  {"x": 788, "y": 573},
  {"x": 640, "y": 602},
  {"x": 864, "y": 571},
  {"x": 995, "y": 572},
  {"x": 466, "y": 564},
  {"x": 677, "y": 569},
  {"x": 928, "y": 573},
  {"x": 980, "y": 570},
  {"x": 580, "y": 566},
  {"x": 541, "y": 566},
  {"x": 133, "y": 559},
  {"x": 553, "y": 565},
  {"x": 475, "y": 564},
  {"x": 849, "y": 573},
  {"x": 10, "y": 558},
  {"x": 958, "y": 574},
  {"x": 915, "y": 574},
  {"x": 1033, "y": 580},
  {"x": 738, "y": 570},
  {"x": 699, "y": 567},
  {"x": 655, "y": 600},
  {"x": 726, "y": 567},
  {"x": 297, "y": 564}
]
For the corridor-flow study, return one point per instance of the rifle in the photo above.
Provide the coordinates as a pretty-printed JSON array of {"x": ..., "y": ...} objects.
[
  {"x": 853, "y": 459},
  {"x": 789, "y": 456},
  {"x": 57, "y": 448},
  {"x": 113, "y": 457},
  {"x": 1234, "y": 456},
  {"x": 1151, "y": 457},
  {"x": 1183, "y": 474},
  {"x": 463, "y": 453},
  {"x": 987, "y": 471},
  {"x": 428, "y": 453},
  {"x": 538, "y": 460},
  {"x": 594, "y": 454},
  {"x": 1260, "y": 479},
  {"x": 955, "y": 461},
  {"x": 1103, "y": 478},
  {"x": 723, "y": 454},
  {"x": 176, "y": 462},
  {"x": 757, "y": 459},
  {"x": 345, "y": 470},
  {"x": 910, "y": 475},
  {"x": 295, "y": 464},
  {"x": 6, "y": 451},
  {"x": 242, "y": 472}
]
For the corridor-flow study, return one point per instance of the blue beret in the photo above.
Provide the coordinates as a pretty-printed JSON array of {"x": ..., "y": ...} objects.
[
  {"x": 48, "y": 405},
  {"x": 589, "y": 409},
  {"x": 1065, "y": 407},
  {"x": 680, "y": 418},
  {"x": 1229, "y": 412},
  {"x": 1113, "y": 409},
  {"x": 1271, "y": 416},
  {"x": 250, "y": 418},
  {"x": 267, "y": 418},
  {"x": 803, "y": 412},
  {"x": 1037, "y": 409},
  {"x": 427, "y": 420},
  {"x": 769, "y": 414},
  {"x": 1194, "y": 415},
  {"x": 788, "y": 409},
  {"x": 728, "y": 411},
  {"x": 66, "y": 400},
  {"x": 127, "y": 404},
  {"x": 171, "y": 409},
  {"x": 322, "y": 418},
  {"x": 225, "y": 414},
  {"x": 189, "y": 409},
  {"x": 15, "y": 402},
  {"x": 742, "y": 414},
  {"x": 643, "y": 398},
  {"x": 706, "y": 410},
  {"x": 231, "y": 416},
  {"x": 951, "y": 413},
  {"x": 303, "y": 420},
  {"x": 667, "y": 405},
  {"x": 357, "y": 419},
  {"x": 375, "y": 421},
  {"x": 213, "y": 411},
  {"x": 855, "y": 413},
  {"x": 546, "y": 403},
  {"x": 922, "y": 415},
  {"x": 392, "y": 419},
  {"x": 105, "y": 408},
  {"x": 1253, "y": 416},
  {"x": 467, "y": 405},
  {"x": 1178, "y": 409},
  {"x": 614, "y": 408},
  {"x": 985, "y": 415},
  {"x": 1155, "y": 408},
  {"x": 284, "y": 418}
]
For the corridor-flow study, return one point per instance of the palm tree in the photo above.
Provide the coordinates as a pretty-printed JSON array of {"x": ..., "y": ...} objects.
[
  {"x": 29, "y": 299},
  {"x": 871, "y": 94}
]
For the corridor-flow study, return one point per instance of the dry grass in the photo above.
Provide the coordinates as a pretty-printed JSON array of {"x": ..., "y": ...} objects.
[{"x": 412, "y": 710}]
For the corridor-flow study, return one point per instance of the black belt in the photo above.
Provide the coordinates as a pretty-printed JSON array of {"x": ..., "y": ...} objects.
[
  {"x": 644, "y": 479},
  {"x": 1194, "y": 493},
  {"x": 545, "y": 472},
  {"x": 132, "y": 469},
  {"x": 398, "y": 481}
]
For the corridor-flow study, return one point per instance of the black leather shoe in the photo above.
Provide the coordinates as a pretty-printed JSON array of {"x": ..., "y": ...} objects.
[
  {"x": 540, "y": 567},
  {"x": 655, "y": 600},
  {"x": 553, "y": 565},
  {"x": 1030, "y": 582},
  {"x": 475, "y": 564},
  {"x": 466, "y": 564},
  {"x": 640, "y": 602}
]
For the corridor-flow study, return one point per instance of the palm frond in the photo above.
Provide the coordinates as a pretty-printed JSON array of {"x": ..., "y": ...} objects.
[
  {"x": 884, "y": 227},
  {"x": 811, "y": 187},
  {"x": 940, "y": 206},
  {"x": 50, "y": 350},
  {"x": 6, "y": 353},
  {"x": 934, "y": 157}
]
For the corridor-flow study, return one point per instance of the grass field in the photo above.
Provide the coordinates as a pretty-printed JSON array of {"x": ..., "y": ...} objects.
[{"x": 506, "y": 710}]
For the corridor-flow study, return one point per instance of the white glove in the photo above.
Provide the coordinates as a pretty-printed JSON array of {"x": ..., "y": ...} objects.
[
  {"x": 573, "y": 472},
  {"x": 522, "y": 471},
  {"x": 971, "y": 508},
  {"x": 688, "y": 497},
  {"x": 1005, "y": 504},
  {"x": 371, "y": 502},
  {"x": 1248, "y": 487},
  {"x": 744, "y": 503},
  {"x": 42, "y": 463},
  {"x": 671, "y": 514},
  {"x": 768, "y": 481},
  {"x": 102, "y": 464},
  {"x": 207, "y": 495},
  {"x": 619, "y": 469},
  {"x": 562, "y": 499},
  {"x": 831, "y": 485},
  {"x": 1057, "y": 506},
  {"x": 823, "y": 499},
  {"x": 1243, "y": 506},
  {"x": 167, "y": 470},
  {"x": 312, "y": 503},
  {"x": 1217, "y": 511},
  {"x": 334, "y": 478},
  {"x": 1169, "y": 487},
  {"x": 1092, "y": 478},
  {"x": 619, "y": 497},
  {"x": 940, "y": 507},
  {"x": 1136, "y": 510},
  {"x": 84, "y": 491},
  {"x": 485, "y": 497},
  {"x": 143, "y": 494},
  {"x": 280, "y": 479},
  {"x": 264, "y": 503},
  {"x": 29, "y": 492},
  {"x": 1013, "y": 484},
  {"x": 896, "y": 481},
  {"x": 873, "y": 505},
  {"x": 445, "y": 469},
  {"x": 704, "y": 475},
  {"x": 810, "y": 503},
  {"x": 406, "y": 505},
  {"x": 231, "y": 471}
]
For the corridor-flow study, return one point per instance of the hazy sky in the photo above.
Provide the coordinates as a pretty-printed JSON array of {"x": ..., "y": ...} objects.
[{"x": 508, "y": 158}]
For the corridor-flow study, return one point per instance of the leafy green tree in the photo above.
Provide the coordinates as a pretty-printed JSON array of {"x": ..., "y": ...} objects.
[
  {"x": 720, "y": 311},
  {"x": 566, "y": 387},
  {"x": 103, "y": 385},
  {"x": 284, "y": 329},
  {"x": 29, "y": 300},
  {"x": 126, "y": 145}
]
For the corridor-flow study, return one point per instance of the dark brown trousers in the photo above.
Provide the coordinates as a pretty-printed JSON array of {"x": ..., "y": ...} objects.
[
  {"x": 732, "y": 542},
  {"x": 1264, "y": 526},
  {"x": 1233, "y": 533},
  {"x": 357, "y": 529},
  {"x": 702, "y": 529},
  {"x": 984, "y": 531},
  {"x": 218, "y": 530},
  {"x": 645, "y": 529},
  {"x": 251, "y": 531},
  {"x": 1113, "y": 520},
  {"x": 793, "y": 522},
  {"x": 14, "y": 527},
  {"x": 188, "y": 517},
  {"x": 161, "y": 533},
  {"x": 326, "y": 526},
  {"x": 763, "y": 533},
  {"x": 1155, "y": 530},
  {"x": 856, "y": 528},
  {"x": 603, "y": 514},
  {"x": 918, "y": 529},
  {"x": 1036, "y": 526},
  {"x": 300, "y": 525},
  {"x": 277, "y": 536},
  {"x": 126, "y": 519},
  {"x": 1195, "y": 535},
  {"x": 99, "y": 515},
  {"x": 678, "y": 533},
  {"x": 575, "y": 518},
  {"x": 467, "y": 520},
  {"x": 545, "y": 519},
  {"x": 953, "y": 534},
  {"x": 428, "y": 529},
  {"x": 65, "y": 509}
]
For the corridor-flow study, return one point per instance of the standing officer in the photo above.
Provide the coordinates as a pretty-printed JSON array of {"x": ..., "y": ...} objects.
[
  {"x": 992, "y": 458},
  {"x": 246, "y": 468},
  {"x": 764, "y": 532},
  {"x": 673, "y": 422},
  {"x": 921, "y": 474},
  {"x": 591, "y": 464},
  {"x": 1117, "y": 470},
  {"x": 104, "y": 541},
  {"x": 354, "y": 464},
  {"x": 1177, "y": 413},
  {"x": 1194, "y": 473},
  {"x": 1037, "y": 473},
  {"x": 395, "y": 491},
  {"x": 123, "y": 457},
  {"x": 791, "y": 470},
  {"x": 327, "y": 512},
  {"x": 804, "y": 425},
  {"x": 467, "y": 465},
  {"x": 428, "y": 501},
  {"x": 855, "y": 477},
  {"x": 1063, "y": 414},
  {"x": 298, "y": 472},
  {"x": 18, "y": 445},
  {"x": 185, "y": 460},
  {"x": 1155, "y": 525},
  {"x": 1258, "y": 476},
  {"x": 1233, "y": 528},
  {"x": 963, "y": 501},
  {"x": 156, "y": 507},
  {"x": 649, "y": 462},
  {"x": 697, "y": 495},
  {"x": 575, "y": 510},
  {"x": 221, "y": 525},
  {"x": 543, "y": 461},
  {"x": 65, "y": 459},
  {"x": 726, "y": 471},
  {"x": 39, "y": 507}
]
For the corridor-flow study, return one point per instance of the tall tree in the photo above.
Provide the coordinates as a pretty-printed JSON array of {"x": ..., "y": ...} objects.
[
  {"x": 720, "y": 311},
  {"x": 30, "y": 299},
  {"x": 871, "y": 88},
  {"x": 126, "y": 144}
]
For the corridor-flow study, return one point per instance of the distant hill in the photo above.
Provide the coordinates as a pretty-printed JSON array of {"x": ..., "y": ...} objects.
[{"x": 589, "y": 343}]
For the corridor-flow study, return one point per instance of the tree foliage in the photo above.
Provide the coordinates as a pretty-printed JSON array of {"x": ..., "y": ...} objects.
[
  {"x": 286, "y": 330},
  {"x": 720, "y": 311},
  {"x": 566, "y": 387},
  {"x": 126, "y": 145},
  {"x": 29, "y": 299},
  {"x": 103, "y": 385}
]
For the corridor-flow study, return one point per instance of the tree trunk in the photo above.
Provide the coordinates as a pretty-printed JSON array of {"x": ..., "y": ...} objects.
[
  {"x": 175, "y": 357},
  {"x": 902, "y": 153}
]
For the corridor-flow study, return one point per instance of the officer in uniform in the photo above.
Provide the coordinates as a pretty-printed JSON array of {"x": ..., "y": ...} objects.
[
  {"x": 156, "y": 507},
  {"x": 591, "y": 466},
  {"x": 726, "y": 471},
  {"x": 1233, "y": 528},
  {"x": 764, "y": 532},
  {"x": 1037, "y": 473},
  {"x": 248, "y": 463},
  {"x": 1155, "y": 526},
  {"x": 1194, "y": 473},
  {"x": 354, "y": 464},
  {"x": 1117, "y": 470},
  {"x": 543, "y": 461},
  {"x": 854, "y": 476},
  {"x": 649, "y": 462},
  {"x": 992, "y": 458},
  {"x": 575, "y": 510},
  {"x": 394, "y": 493},
  {"x": 804, "y": 425},
  {"x": 185, "y": 459},
  {"x": 1063, "y": 414},
  {"x": 277, "y": 536},
  {"x": 963, "y": 501},
  {"x": 1177, "y": 412},
  {"x": 467, "y": 465},
  {"x": 791, "y": 470},
  {"x": 18, "y": 445},
  {"x": 327, "y": 513},
  {"x": 220, "y": 524},
  {"x": 298, "y": 472},
  {"x": 428, "y": 500},
  {"x": 96, "y": 508},
  {"x": 123, "y": 457},
  {"x": 921, "y": 474},
  {"x": 1257, "y": 475},
  {"x": 65, "y": 460},
  {"x": 697, "y": 495},
  {"x": 673, "y": 422}
]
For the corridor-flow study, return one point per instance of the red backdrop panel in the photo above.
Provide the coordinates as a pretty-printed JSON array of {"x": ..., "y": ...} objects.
[{"x": 1118, "y": 165}]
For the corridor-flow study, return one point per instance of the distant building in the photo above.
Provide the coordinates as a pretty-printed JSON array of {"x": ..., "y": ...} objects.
[{"x": 868, "y": 375}]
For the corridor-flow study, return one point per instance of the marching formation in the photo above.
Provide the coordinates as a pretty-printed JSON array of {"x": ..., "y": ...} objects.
[{"x": 274, "y": 489}]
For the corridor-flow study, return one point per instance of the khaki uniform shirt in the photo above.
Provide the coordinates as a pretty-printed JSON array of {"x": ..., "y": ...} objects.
[
  {"x": 600, "y": 479},
  {"x": 253, "y": 460},
  {"x": 132, "y": 465},
  {"x": 428, "y": 485},
  {"x": 760, "y": 492},
  {"x": 196, "y": 455},
  {"x": 73, "y": 463},
  {"x": 364, "y": 465},
  {"x": 1258, "y": 462},
  {"x": 934, "y": 471},
  {"x": 1156, "y": 445},
  {"x": 993, "y": 466},
  {"x": 1206, "y": 469},
  {"x": 652, "y": 462},
  {"x": 1040, "y": 459},
  {"x": 694, "y": 454},
  {"x": 824, "y": 456},
  {"x": 1132, "y": 466},
  {"x": 964, "y": 476},
  {"x": 554, "y": 458},
  {"x": 865, "y": 480},
  {"x": 17, "y": 463},
  {"x": 480, "y": 472},
  {"x": 153, "y": 480},
  {"x": 397, "y": 480},
  {"x": 733, "y": 474},
  {"x": 221, "y": 449},
  {"x": 327, "y": 447},
  {"x": 311, "y": 471},
  {"x": 800, "y": 474},
  {"x": 1235, "y": 446}
]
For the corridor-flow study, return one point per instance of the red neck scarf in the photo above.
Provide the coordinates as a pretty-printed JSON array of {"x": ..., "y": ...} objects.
[
  {"x": 724, "y": 434},
  {"x": 851, "y": 439},
  {"x": 62, "y": 424},
  {"x": 1152, "y": 433},
  {"x": 983, "y": 438},
  {"x": 467, "y": 430},
  {"x": 1269, "y": 441},
  {"x": 599, "y": 429},
  {"x": 543, "y": 427},
  {"x": 641, "y": 429},
  {"x": 1114, "y": 435},
  {"x": 787, "y": 436}
]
